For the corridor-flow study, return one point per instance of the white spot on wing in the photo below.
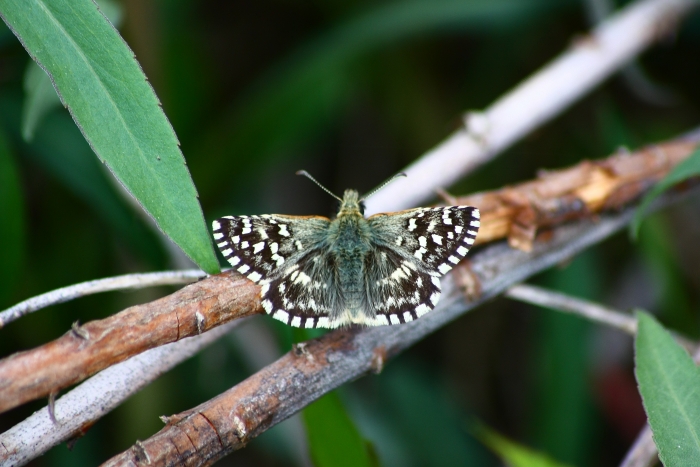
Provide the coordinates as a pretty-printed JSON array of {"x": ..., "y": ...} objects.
[
  {"x": 309, "y": 323},
  {"x": 281, "y": 315},
  {"x": 422, "y": 309},
  {"x": 462, "y": 251},
  {"x": 243, "y": 269},
  {"x": 303, "y": 279},
  {"x": 407, "y": 316},
  {"x": 227, "y": 252},
  {"x": 394, "y": 319},
  {"x": 444, "y": 269},
  {"x": 218, "y": 236},
  {"x": 434, "y": 298},
  {"x": 475, "y": 223},
  {"x": 278, "y": 259},
  {"x": 267, "y": 306},
  {"x": 437, "y": 239},
  {"x": 412, "y": 224},
  {"x": 246, "y": 230},
  {"x": 283, "y": 230},
  {"x": 296, "y": 322},
  {"x": 422, "y": 241},
  {"x": 453, "y": 260},
  {"x": 274, "y": 247},
  {"x": 234, "y": 261},
  {"x": 215, "y": 225},
  {"x": 258, "y": 247},
  {"x": 254, "y": 276},
  {"x": 323, "y": 322}
]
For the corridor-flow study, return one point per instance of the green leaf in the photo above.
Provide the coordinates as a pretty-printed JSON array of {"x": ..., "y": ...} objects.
[
  {"x": 511, "y": 453},
  {"x": 11, "y": 223},
  {"x": 99, "y": 80},
  {"x": 334, "y": 440},
  {"x": 669, "y": 383},
  {"x": 690, "y": 167},
  {"x": 41, "y": 97}
]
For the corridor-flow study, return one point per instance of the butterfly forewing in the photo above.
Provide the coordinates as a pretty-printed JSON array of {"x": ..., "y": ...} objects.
[{"x": 261, "y": 247}]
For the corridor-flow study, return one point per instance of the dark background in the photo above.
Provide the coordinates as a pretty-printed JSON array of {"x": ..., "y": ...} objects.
[{"x": 353, "y": 91}]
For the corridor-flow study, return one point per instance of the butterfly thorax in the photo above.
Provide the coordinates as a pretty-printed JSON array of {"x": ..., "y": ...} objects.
[{"x": 349, "y": 242}]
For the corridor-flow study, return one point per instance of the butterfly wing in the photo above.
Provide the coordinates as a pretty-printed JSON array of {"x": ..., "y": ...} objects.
[
  {"x": 287, "y": 257},
  {"x": 414, "y": 248}
]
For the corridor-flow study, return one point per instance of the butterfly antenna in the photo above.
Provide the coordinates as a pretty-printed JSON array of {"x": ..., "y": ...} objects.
[
  {"x": 398, "y": 175},
  {"x": 306, "y": 174}
]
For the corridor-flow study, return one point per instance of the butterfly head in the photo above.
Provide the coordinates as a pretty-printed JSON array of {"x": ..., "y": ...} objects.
[{"x": 351, "y": 204}]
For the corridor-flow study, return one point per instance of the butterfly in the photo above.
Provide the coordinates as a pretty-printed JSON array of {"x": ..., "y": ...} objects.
[{"x": 321, "y": 273}]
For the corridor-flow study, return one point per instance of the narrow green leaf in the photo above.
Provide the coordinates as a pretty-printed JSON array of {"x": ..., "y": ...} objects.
[
  {"x": 514, "y": 454},
  {"x": 99, "y": 80},
  {"x": 669, "y": 383},
  {"x": 690, "y": 167},
  {"x": 41, "y": 97},
  {"x": 334, "y": 440},
  {"x": 11, "y": 223}
]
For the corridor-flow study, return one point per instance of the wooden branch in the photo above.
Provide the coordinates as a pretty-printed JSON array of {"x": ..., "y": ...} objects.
[
  {"x": 87, "y": 349},
  {"x": 81, "y": 407},
  {"x": 206, "y": 433},
  {"x": 516, "y": 212},
  {"x": 534, "y": 102}
]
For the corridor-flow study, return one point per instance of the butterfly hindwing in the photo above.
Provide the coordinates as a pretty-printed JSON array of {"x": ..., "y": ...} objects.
[
  {"x": 398, "y": 291},
  {"x": 307, "y": 293}
]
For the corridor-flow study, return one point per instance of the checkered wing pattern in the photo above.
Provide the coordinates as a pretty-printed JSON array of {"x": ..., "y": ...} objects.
[{"x": 414, "y": 249}]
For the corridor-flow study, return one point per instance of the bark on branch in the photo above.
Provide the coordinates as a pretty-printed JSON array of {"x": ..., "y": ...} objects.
[{"x": 94, "y": 346}]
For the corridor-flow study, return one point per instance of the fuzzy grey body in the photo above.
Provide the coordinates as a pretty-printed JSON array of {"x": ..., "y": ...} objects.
[{"x": 317, "y": 272}]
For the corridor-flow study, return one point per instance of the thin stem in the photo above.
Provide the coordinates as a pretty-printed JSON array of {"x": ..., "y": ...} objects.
[
  {"x": 127, "y": 281},
  {"x": 558, "y": 301}
]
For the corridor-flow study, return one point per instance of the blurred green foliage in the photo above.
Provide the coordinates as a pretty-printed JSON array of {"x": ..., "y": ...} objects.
[{"x": 353, "y": 91}]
